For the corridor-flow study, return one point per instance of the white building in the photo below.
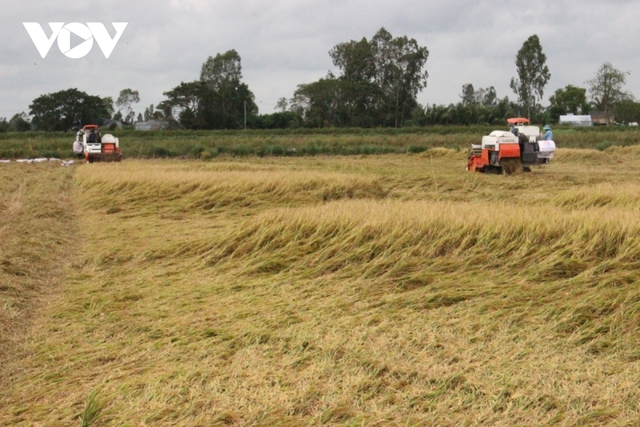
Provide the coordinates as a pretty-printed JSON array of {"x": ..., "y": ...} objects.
[
  {"x": 576, "y": 120},
  {"x": 151, "y": 125}
]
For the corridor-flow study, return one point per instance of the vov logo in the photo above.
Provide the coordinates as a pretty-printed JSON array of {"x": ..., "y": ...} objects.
[{"x": 89, "y": 32}]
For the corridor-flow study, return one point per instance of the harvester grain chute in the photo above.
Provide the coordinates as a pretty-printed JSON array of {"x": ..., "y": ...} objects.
[
  {"x": 510, "y": 151},
  {"x": 99, "y": 148}
]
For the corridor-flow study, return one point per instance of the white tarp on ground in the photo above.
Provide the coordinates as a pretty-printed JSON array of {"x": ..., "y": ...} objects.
[{"x": 39, "y": 160}]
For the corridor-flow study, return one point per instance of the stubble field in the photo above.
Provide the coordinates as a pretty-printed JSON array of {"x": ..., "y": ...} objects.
[{"x": 362, "y": 290}]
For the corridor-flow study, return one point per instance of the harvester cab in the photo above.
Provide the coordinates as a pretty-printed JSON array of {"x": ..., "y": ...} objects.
[
  {"x": 98, "y": 148},
  {"x": 510, "y": 151}
]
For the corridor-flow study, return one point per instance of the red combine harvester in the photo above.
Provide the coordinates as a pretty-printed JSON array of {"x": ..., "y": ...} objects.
[
  {"x": 99, "y": 148},
  {"x": 510, "y": 151}
]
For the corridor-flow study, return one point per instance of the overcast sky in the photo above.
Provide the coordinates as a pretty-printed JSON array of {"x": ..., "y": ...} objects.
[{"x": 284, "y": 43}]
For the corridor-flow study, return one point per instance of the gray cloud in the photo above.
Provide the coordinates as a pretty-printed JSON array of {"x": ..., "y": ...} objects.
[{"x": 284, "y": 43}]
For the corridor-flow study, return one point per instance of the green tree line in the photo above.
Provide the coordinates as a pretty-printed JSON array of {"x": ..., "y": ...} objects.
[{"x": 376, "y": 85}]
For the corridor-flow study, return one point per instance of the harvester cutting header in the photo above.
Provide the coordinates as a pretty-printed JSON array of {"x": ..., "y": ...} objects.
[{"x": 511, "y": 151}]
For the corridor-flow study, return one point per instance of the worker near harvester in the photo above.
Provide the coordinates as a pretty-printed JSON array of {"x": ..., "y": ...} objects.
[
  {"x": 77, "y": 146},
  {"x": 548, "y": 135}
]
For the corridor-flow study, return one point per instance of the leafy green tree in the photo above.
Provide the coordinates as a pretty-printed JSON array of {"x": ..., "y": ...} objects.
[
  {"x": 320, "y": 103},
  {"x": 150, "y": 113},
  {"x": 278, "y": 120},
  {"x": 360, "y": 95},
  {"x": 355, "y": 59},
  {"x": 333, "y": 101},
  {"x": 232, "y": 115},
  {"x": 60, "y": 111},
  {"x": 19, "y": 123},
  {"x": 533, "y": 74},
  {"x": 482, "y": 107},
  {"x": 399, "y": 73},
  {"x": 468, "y": 94},
  {"x": 571, "y": 99},
  {"x": 4, "y": 124},
  {"x": 50, "y": 114},
  {"x": 221, "y": 75},
  {"x": 125, "y": 100},
  {"x": 227, "y": 95},
  {"x": 486, "y": 97},
  {"x": 108, "y": 105},
  {"x": 216, "y": 101},
  {"x": 627, "y": 111},
  {"x": 606, "y": 88},
  {"x": 377, "y": 84},
  {"x": 282, "y": 105},
  {"x": 476, "y": 106},
  {"x": 185, "y": 104}
]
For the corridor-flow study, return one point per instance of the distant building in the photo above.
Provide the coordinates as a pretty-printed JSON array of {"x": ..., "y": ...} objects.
[
  {"x": 600, "y": 118},
  {"x": 576, "y": 120},
  {"x": 112, "y": 124},
  {"x": 151, "y": 125}
]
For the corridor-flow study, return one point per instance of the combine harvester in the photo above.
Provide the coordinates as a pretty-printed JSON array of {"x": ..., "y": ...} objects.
[
  {"x": 96, "y": 148},
  {"x": 510, "y": 151},
  {"x": 99, "y": 148}
]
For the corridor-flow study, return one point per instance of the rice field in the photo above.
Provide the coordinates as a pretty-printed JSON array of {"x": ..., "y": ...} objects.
[
  {"x": 386, "y": 290},
  {"x": 298, "y": 142}
]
